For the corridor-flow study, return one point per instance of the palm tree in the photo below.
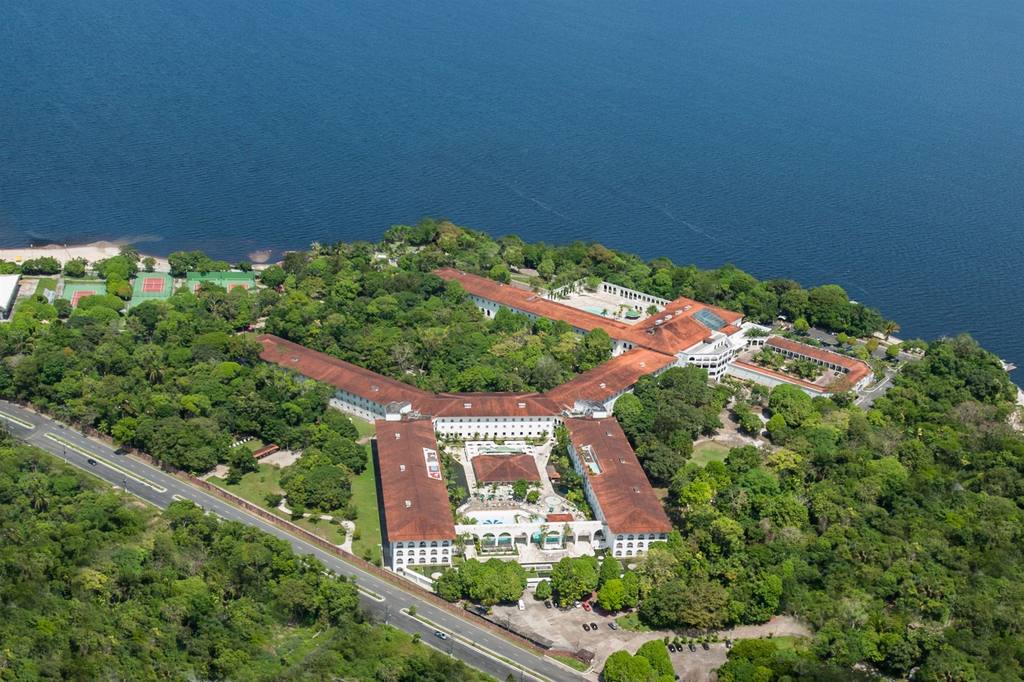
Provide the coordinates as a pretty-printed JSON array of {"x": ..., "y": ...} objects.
[{"x": 890, "y": 328}]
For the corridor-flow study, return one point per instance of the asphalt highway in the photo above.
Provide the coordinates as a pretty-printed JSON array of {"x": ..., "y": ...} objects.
[{"x": 474, "y": 645}]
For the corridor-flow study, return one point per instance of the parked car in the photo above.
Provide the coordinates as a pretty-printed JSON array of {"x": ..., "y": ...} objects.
[
  {"x": 576, "y": 605},
  {"x": 586, "y": 627},
  {"x": 728, "y": 644},
  {"x": 586, "y": 606},
  {"x": 121, "y": 451},
  {"x": 705, "y": 646},
  {"x": 440, "y": 635},
  {"x": 522, "y": 605},
  {"x": 593, "y": 626},
  {"x": 613, "y": 625},
  {"x": 548, "y": 604},
  {"x": 691, "y": 646},
  {"x": 671, "y": 648}
]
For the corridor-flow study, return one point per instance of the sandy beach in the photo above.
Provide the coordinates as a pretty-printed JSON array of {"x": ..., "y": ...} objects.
[{"x": 90, "y": 252}]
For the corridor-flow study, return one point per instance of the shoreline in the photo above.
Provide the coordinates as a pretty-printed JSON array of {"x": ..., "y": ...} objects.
[
  {"x": 91, "y": 252},
  {"x": 98, "y": 250}
]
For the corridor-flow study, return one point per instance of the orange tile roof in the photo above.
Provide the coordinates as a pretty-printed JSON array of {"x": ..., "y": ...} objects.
[
  {"x": 626, "y": 497},
  {"x": 530, "y": 302},
  {"x": 606, "y": 380},
  {"x": 559, "y": 518},
  {"x": 671, "y": 336},
  {"x": 488, "y": 405},
  {"x": 788, "y": 378},
  {"x": 505, "y": 468},
  {"x": 338, "y": 373},
  {"x": 855, "y": 369},
  {"x": 678, "y": 330},
  {"x": 414, "y": 494}
]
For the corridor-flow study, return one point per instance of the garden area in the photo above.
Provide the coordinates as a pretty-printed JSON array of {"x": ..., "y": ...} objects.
[{"x": 709, "y": 451}]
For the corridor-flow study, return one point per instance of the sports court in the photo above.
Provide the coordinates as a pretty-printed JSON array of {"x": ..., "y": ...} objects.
[
  {"x": 151, "y": 286},
  {"x": 226, "y": 279},
  {"x": 75, "y": 291}
]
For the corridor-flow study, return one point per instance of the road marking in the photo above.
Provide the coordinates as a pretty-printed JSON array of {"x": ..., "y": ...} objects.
[
  {"x": 369, "y": 593},
  {"x": 179, "y": 498},
  {"x": 15, "y": 420},
  {"x": 466, "y": 642},
  {"x": 124, "y": 472}
]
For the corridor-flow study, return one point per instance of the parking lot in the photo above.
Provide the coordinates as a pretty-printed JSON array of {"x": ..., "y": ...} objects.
[{"x": 565, "y": 628}]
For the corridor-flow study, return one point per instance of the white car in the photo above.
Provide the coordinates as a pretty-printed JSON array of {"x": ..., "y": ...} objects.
[{"x": 522, "y": 605}]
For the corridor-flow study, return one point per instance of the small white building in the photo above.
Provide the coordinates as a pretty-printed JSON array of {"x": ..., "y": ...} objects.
[{"x": 8, "y": 293}]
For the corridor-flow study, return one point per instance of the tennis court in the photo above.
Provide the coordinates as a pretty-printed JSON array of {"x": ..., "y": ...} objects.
[
  {"x": 151, "y": 286},
  {"x": 227, "y": 279},
  {"x": 75, "y": 291}
]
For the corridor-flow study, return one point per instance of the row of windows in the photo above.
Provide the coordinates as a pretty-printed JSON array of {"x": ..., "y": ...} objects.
[
  {"x": 640, "y": 536},
  {"x": 423, "y": 552},
  {"x": 474, "y": 420},
  {"x": 422, "y": 560},
  {"x": 422, "y": 543}
]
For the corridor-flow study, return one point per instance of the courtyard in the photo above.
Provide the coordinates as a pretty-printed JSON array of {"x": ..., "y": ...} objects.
[{"x": 609, "y": 305}]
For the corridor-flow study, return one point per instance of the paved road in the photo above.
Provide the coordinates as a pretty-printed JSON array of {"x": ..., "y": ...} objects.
[
  {"x": 160, "y": 489},
  {"x": 868, "y": 397}
]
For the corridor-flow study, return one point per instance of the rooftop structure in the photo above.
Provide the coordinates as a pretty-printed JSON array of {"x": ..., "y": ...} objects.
[
  {"x": 855, "y": 369},
  {"x": 606, "y": 382},
  {"x": 337, "y": 373},
  {"x": 488, "y": 405},
  {"x": 620, "y": 488},
  {"x": 415, "y": 497},
  {"x": 840, "y": 372},
  {"x": 529, "y": 302},
  {"x": 505, "y": 468},
  {"x": 8, "y": 291},
  {"x": 684, "y": 324}
]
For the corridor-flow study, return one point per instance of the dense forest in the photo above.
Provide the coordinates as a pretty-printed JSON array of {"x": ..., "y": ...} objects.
[
  {"x": 95, "y": 586},
  {"x": 895, "y": 531}
]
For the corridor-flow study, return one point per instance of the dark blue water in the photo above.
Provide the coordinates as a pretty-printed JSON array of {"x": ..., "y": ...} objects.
[{"x": 876, "y": 144}]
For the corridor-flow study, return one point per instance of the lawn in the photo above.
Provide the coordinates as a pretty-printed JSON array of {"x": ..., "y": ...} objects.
[
  {"x": 572, "y": 662},
  {"x": 255, "y": 485},
  {"x": 254, "y": 445},
  {"x": 709, "y": 451},
  {"x": 788, "y": 643},
  {"x": 631, "y": 622},
  {"x": 364, "y": 427},
  {"x": 364, "y": 496},
  {"x": 46, "y": 283},
  {"x": 333, "y": 533}
]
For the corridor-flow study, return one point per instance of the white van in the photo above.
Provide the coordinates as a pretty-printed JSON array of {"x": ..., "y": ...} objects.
[{"x": 522, "y": 605}]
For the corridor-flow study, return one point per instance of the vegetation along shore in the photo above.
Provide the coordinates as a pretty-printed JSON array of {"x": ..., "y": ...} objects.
[{"x": 869, "y": 488}]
